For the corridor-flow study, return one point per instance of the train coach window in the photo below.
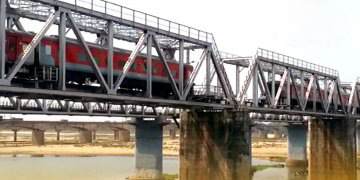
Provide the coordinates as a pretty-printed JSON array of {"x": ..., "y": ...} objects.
[
  {"x": 11, "y": 46},
  {"x": 121, "y": 64},
  {"x": 82, "y": 57},
  {"x": 97, "y": 59},
  {"x": 155, "y": 70},
  {"x": 134, "y": 67},
  {"x": 24, "y": 46},
  {"x": 47, "y": 49}
]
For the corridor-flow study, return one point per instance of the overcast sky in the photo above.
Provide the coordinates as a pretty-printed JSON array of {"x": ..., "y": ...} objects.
[{"x": 324, "y": 32}]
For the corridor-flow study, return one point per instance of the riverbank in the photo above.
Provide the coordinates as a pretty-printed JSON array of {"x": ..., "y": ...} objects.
[{"x": 104, "y": 145}]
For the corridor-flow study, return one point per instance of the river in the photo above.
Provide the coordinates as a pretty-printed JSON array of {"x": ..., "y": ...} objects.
[{"x": 98, "y": 168}]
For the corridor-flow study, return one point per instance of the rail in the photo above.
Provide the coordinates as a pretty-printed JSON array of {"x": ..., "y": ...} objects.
[{"x": 296, "y": 62}]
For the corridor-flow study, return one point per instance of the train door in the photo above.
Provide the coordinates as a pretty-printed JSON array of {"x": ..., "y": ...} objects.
[{"x": 11, "y": 49}]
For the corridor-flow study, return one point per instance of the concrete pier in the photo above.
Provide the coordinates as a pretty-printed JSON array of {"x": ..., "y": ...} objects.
[
  {"x": 259, "y": 133},
  {"x": 172, "y": 133},
  {"x": 297, "y": 155},
  {"x": 38, "y": 137},
  {"x": 215, "y": 145},
  {"x": 15, "y": 134},
  {"x": 332, "y": 149},
  {"x": 122, "y": 135},
  {"x": 148, "y": 148},
  {"x": 58, "y": 135},
  {"x": 85, "y": 136},
  {"x": 358, "y": 139},
  {"x": 277, "y": 134},
  {"x": 93, "y": 135}
]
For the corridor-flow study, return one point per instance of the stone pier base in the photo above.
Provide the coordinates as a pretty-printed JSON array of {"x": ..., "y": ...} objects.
[
  {"x": 332, "y": 149},
  {"x": 38, "y": 137},
  {"x": 85, "y": 136},
  {"x": 215, "y": 145}
]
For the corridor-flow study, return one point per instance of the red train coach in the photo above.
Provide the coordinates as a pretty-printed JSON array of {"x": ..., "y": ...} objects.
[
  {"x": 293, "y": 97},
  {"x": 78, "y": 65}
]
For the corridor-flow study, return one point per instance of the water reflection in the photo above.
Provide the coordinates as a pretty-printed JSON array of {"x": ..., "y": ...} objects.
[{"x": 109, "y": 168}]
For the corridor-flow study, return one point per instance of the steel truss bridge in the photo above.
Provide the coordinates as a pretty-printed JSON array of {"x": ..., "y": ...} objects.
[{"x": 108, "y": 22}]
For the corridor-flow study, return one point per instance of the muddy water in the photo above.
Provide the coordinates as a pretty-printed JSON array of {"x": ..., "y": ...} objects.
[{"x": 99, "y": 168}]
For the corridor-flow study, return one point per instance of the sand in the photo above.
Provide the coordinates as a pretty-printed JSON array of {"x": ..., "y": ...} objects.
[{"x": 104, "y": 145}]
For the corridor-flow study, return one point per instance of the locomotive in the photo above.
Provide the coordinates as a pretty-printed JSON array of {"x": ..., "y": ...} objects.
[
  {"x": 293, "y": 99},
  {"x": 42, "y": 67}
]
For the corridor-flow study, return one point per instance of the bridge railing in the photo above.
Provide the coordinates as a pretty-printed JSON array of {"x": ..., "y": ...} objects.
[
  {"x": 135, "y": 16},
  {"x": 296, "y": 62}
]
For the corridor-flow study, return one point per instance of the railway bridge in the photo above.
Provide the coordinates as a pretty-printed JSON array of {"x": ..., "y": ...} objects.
[{"x": 170, "y": 67}]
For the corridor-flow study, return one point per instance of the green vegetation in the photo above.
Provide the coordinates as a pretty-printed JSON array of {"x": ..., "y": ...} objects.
[{"x": 170, "y": 176}]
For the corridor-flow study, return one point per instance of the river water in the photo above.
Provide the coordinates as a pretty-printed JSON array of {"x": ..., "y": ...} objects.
[{"x": 98, "y": 168}]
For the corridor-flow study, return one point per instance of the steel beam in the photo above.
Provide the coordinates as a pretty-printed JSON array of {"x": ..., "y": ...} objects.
[
  {"x": 265, "y": 85},
  {"x": 149, "y": 67},
  {"x": 352, "y": 97},
  {"x": 207, "y": 74},
  {"x": 18, "y": 24},
  {"x": 300, "y": 102},
  {"x": 130, "y": 61},
  {"x": 221, "y": 77},
  {"x": 288, "y": 93},
  {"x": 237, "y": 78},
  {"x": 110, "y": 54},
  {"x": 93, "y": 63},
  {"x": 62, "y": 52},
  {"x": 273, "y": 81},
  {"x": 170, "y": 75},
  {"x": 308, "y": 91},
  {"x": 2, "y": 37},
  {"x": 181, "y": 67},
  {"x": 330, "y": 97},
  {"x": 302, "y": 86},
  {"x": 282, "y": 82},
  {"x": 340, "y": 96},
  {"x": 322, "y": 102},
  {"x": 195, "y": 73}
]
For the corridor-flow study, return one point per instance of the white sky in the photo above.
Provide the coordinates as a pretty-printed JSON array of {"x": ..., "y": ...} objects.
[{"x": 324, "y": 32}]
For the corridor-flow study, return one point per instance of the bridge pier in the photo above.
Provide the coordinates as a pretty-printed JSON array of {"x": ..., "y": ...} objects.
[
  {"x": 357, "y": 139},
  {"x": 277, "y": 134},
  {"x": 94, "y": 135},
  {"x": 122, "y": 135},
  {"x": 85, "y": 136},
  {"x": 15, "y": 134},
  {"x": 172, "y": 133},
  {"x": 332, "y": 149},
  {"x": 38, "y": 137},
  {"x": 297, "y": 155},
  {"x": 58, "y": 135},
  {"x": 215, "y": 145},
  {"x": 259, "y": 133},
  {"x": 148, "y": 148}
]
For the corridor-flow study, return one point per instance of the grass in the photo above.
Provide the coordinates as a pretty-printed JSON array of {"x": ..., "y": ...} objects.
[{"x": 170, "y": 176}]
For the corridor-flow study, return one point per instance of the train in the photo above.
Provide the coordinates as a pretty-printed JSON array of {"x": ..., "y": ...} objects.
[
  {"x": 293, "y": 99},
  {"x": 42, "y": 66}
]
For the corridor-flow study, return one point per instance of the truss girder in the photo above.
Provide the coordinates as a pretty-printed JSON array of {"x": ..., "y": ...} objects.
[{"x": 125, "y": 28}]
